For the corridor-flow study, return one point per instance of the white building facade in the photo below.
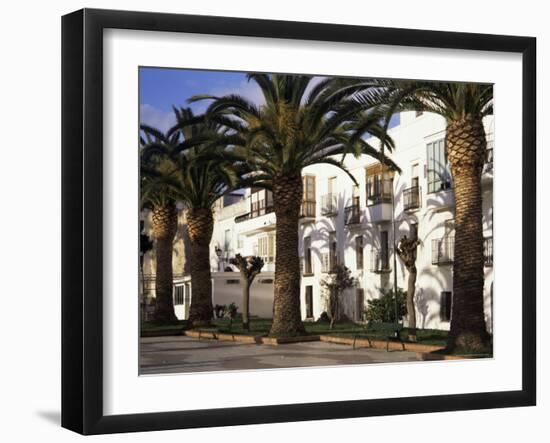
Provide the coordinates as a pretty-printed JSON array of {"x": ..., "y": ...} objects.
[{"x": 352, "y": 224}]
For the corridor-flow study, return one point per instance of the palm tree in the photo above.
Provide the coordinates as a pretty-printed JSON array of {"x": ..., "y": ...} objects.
[
  {"x": 196, "y": 148},
  {"x": 302, "y": 123},
  {"x": 160, "y": 188},
  {"x": 463, "y": 105}
]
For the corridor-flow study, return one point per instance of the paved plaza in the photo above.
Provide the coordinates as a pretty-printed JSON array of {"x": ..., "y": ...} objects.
[{"x": 175, "y": 354}]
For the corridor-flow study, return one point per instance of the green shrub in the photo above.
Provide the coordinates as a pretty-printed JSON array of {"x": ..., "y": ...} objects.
[{"x": 383, "y": 309}]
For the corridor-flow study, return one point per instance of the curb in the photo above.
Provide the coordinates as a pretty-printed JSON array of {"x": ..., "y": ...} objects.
[
  {"x": 433, "y": 357},
  {"x": 381, "y": 344},
  {"x": 257, "y": 339},
  {"x": 167, "y": 333}
]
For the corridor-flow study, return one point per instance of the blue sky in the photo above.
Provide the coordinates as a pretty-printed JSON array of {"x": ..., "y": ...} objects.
[{"x": 161, "y": 88}]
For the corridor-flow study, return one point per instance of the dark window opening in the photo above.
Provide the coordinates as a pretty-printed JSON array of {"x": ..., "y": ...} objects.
[
  {"x": 309, "y": 301},
  {"x": 445, "y": 305}
]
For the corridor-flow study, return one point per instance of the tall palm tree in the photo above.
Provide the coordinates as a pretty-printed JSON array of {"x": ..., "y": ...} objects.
[
  {"x": 196, "y": 148},
  {"x": 302, "y": 123},
  {"x": 160, "y": 188},
  {"x": 463, "y": 105}
]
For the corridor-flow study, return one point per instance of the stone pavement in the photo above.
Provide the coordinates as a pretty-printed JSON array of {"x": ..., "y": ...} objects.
[{"x": 161, "y": 355}]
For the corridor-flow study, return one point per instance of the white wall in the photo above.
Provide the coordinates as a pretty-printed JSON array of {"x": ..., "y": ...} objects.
[{"x": 30, "y": 370}]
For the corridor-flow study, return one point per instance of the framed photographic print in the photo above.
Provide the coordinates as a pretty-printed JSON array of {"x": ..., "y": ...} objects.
[{"x": 254, "y": 210}]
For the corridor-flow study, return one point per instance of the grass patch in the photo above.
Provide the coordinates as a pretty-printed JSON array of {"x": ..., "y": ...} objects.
[
  {"x": 262, "y": 326},
  {"x": 258, "y": 326},
  {"x": 156, "y": 326}
]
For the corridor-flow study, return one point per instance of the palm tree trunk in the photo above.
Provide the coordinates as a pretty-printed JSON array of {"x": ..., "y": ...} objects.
[
  {"x": 411, "y": 310},
  {"x": 287, "y": 197},
  {"x": 246, "y": 305},
  {"x": 466, "y": 147},
  {"x": 200, "y": 225},
  {"x": 165, "y": 224}
]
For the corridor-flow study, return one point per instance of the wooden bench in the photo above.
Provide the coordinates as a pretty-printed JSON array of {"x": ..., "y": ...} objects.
[{"x": 392, "y": 332}]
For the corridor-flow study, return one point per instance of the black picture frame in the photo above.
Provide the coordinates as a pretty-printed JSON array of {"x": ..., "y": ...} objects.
[{"x": 82, "y": 190}]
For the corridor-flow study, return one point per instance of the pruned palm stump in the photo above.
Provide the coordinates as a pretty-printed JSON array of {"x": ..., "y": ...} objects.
[
  {"x": 406, "y": 249},
  {"x": 463, "y": 106},
  {"x": 336, "y": 285},
  {"x": 249, "y": 268},
  {"x": 301, "y": 123}
]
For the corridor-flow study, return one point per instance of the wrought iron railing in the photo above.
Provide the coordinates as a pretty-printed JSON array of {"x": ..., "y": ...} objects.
[
  {"x": 443, "y": 251},
  {"x": 379, "y": 191},
  {"x": 380, "y": 261},
  {"x": 352, "y": 215},
  {"x": 307, "y": 209},
  {"x": 411, "y": 198},
  {"x": 253, "y": 214},
  {"x": 329, "y": 204}
]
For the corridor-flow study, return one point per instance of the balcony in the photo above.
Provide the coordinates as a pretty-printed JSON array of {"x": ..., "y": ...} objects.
[
  {"x": 379, "y": 191},
  {"x": 352, "y": 215},
  {"x": 443, "y": 251},
  {"x": 411, "y": 198},
  {"x": 307, "y": 210},
  {"x": 329, "y": 204},
  {"x": 379, "y": 199},
  {"x": 380, "y": 262},
  {"x": 254, "y": 214}
]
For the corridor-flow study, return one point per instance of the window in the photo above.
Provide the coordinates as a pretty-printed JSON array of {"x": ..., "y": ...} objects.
[
  {"x": 227, "y": 241},
  {"x": 359, "y": 252},
  {"x": 308, "y": 199},
  {"x": 309, "y": 301},
  {"x": 266, "y": 248},
  {"x": 333, "y": 251},
  {"x": 232, "y": 281},
  {"x": 355, "y": 196},
  {"x": 309, "y": 188},
  {"x": 332, "y": 185},
  {"x": 187, "y": 298},
  {"x": 178, "y": 294},
  {"x": 308, "y": 268},
  {"x": 384, "y": 250},
  {"x": 359, "y": 303},
  {"x": 414, "y": 230},
  {"x": 439, "y": 176},
  {"x": 240, "y": 241},
  {"x": 445, "y": 305},
  {"x": 261, "y": 202}
]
